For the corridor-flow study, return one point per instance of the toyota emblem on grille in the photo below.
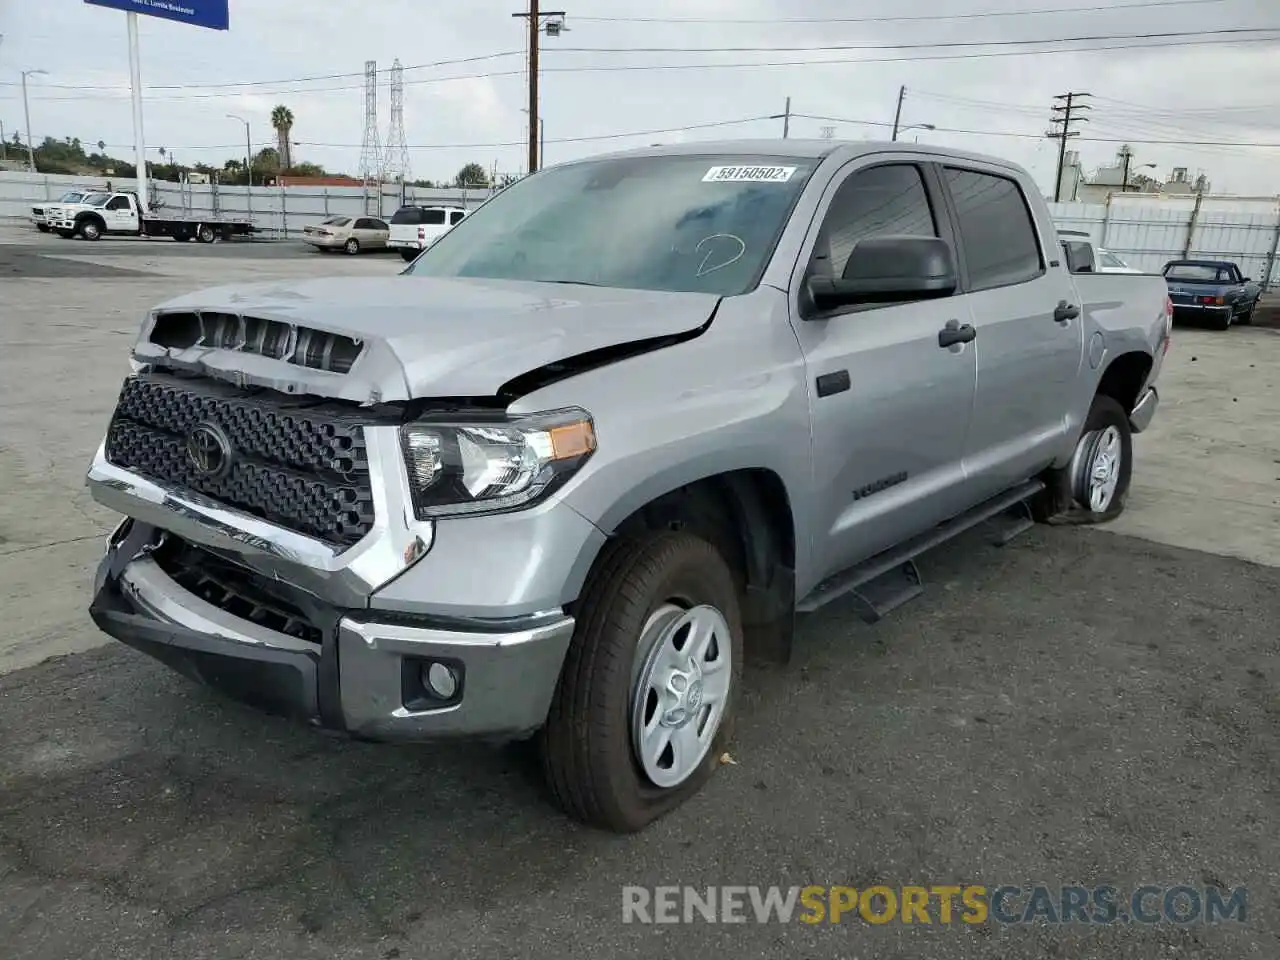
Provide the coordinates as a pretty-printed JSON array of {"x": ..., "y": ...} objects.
[{"x": 208, "y": 450}]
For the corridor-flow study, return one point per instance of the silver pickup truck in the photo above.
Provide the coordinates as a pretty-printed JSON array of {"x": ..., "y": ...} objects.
[{"x": 605, "y": 439}]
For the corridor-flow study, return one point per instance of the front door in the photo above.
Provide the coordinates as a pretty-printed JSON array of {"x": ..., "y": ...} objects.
[
  {"x": 119, "y": 215},
  {"x": 889, "y": 406},
  {"x": 1028, "y": 350}
]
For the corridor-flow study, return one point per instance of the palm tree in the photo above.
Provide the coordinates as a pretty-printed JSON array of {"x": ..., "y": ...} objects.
[{"x": 282, "y": 120}]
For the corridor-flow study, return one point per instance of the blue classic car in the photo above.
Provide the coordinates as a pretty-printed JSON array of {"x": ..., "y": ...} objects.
[{"x": 1212, "y": 289}]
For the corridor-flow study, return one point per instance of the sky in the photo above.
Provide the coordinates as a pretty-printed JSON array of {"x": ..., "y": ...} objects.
[{"x": 1212, "y": 107}]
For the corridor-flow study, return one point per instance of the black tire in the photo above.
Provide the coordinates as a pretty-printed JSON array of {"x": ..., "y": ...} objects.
[
  {"x": 586, "y": 745},
  {"x": 205, "y": 233},
  {"x": 1222, "y": 321},
  {"x": 65, "y": 234},
  {"x": 352, "y": 246},
  {"x": 42, "y": 227},
  {"x": 91, "y": 229},
  {"x": 182, "y": 235},
  {"x": 1065, "y": 498},
  {"x": 409, "y": 255},
  {"x": 1246, "y": 319}
]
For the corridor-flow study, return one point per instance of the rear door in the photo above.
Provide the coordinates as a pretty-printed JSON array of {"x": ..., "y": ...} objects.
[
  {"x": 889, "y": 407},
  {"x": 1029, "y": 328}
]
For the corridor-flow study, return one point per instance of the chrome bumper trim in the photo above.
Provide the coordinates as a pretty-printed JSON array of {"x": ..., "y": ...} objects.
[
  {"x": 509, "y": 679},
  {"x": 1140, "y": 417},
  {"x": 346, "y": 578}
]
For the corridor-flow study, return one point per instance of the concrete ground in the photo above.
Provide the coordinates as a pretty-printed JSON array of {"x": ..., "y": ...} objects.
[{"x": 1082, "y": 706}]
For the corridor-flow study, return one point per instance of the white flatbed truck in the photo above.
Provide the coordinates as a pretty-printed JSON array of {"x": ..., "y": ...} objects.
[{"x": 120, "y": 214}]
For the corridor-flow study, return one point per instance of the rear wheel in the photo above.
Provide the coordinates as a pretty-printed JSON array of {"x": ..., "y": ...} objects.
[
  {"x": 352, "y": 246},
  {"x": 1092, "y": 488},
  {"x": 1222, "y": 321},
  {"x": 205, "y": 233},
  {"x": 409, "y": 255},
  {"x": 1246, "y": 318},
  {"x": 644, "y": 705}
]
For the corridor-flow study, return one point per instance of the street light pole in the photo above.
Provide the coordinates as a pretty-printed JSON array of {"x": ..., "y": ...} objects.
[
  {"x": 248, "y": 164},
  {"x": 26, "y": 113}
]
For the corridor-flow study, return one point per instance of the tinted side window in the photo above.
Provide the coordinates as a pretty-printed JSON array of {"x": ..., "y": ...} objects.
[
  {"x": 364, "y": 223},
  {"x": 456, "y": 216},
  {"x": 118, "y": 203},
  {"x": 434, "y": 218},
  {"x": 996, "y": 228},
  {"x": 881, "y": 201}
]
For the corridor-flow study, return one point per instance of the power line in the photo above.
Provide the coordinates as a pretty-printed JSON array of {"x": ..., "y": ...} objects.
[
  {"x": 926, "y": 46},
  {"x": 902, "y": 19},
  {"x": 1040, "y": 136},
  {"x": 758, "y": 64},
  {"x": 257, "y": 83}
]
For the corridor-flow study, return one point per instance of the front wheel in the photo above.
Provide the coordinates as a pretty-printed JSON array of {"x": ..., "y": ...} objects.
[
  {"x": 409, "y": 255},
  {"x": 65, "y": 234},
  {"x": 42, "y": 227},
  {"x": 644, "y": 705},
  {"x": 352, "y": 246},
  {"x": 1092, "y": 488},
  {"x": 91, "y": 230}
]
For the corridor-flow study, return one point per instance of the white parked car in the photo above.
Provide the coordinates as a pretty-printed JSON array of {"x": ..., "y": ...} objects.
[
  {"x": 1083, "y": 257},
  {"x": 414, "y": 228}
]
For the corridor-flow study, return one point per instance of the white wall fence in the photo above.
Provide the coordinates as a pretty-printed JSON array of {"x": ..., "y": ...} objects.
[
  {"x": 1149, "y": 231},
  {"x": 278, "y": 212}
]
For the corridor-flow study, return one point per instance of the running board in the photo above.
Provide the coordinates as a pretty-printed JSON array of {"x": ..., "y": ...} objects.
[{"x": 891, "y": 578}]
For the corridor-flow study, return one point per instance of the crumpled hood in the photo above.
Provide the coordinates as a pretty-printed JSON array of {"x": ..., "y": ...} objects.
[{"x": 427, "y": 337}]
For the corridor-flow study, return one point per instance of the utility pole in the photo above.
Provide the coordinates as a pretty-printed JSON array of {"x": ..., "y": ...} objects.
[
  {"x": 1062, "y": 116},
  {"x": 536, "y": 16},
  {"x": 786, "y": 120},
  {"x": 1124, "y": 180},
  {"x": 897, "y": 114}
]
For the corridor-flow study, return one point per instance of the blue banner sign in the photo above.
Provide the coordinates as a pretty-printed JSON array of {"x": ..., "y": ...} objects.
[{"x": 211, "y": 14}]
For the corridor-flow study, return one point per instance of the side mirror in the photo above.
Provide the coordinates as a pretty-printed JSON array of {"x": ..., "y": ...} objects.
[{"x": 889, "y": 269}]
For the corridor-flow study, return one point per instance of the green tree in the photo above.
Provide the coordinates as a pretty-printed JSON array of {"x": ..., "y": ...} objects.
[
  {"x": 282, "y": 121},
  {"x": 472, "y": 175}
]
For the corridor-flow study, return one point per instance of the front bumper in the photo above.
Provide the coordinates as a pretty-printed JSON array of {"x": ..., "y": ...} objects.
[{"x": 365, "y": 674}]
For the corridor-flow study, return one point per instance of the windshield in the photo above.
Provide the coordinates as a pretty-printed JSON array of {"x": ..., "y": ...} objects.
[
  {"x": 72, "y": 197},
  {"x": 1197, "y": 272},
  {"x": 671, "y": 223}
]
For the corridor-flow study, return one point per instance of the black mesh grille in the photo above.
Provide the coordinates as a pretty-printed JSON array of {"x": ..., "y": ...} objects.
[{"x": 294, "y": 463}]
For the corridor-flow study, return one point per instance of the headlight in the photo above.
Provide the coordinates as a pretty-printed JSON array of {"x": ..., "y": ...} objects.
[{"x": 479, "y": 467}]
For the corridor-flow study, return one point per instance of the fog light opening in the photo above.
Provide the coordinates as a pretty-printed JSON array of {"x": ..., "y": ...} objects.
[{"x": 440, "y": 680}]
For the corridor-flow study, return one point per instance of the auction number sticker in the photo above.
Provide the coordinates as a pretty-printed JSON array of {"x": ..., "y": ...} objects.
[{"x": 748, "y": 175}]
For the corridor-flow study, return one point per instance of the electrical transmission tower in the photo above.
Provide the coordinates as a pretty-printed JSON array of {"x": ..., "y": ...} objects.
[
  {"x": 1066, "y": 112},
  {"x": 395, "y": 164},
  {"x": 370, "y": 149}
]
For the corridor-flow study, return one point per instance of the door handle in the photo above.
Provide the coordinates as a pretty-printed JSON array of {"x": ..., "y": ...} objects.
[
  {"x": 954, "y": 332},
  {"x": 1065, "y": 311}
]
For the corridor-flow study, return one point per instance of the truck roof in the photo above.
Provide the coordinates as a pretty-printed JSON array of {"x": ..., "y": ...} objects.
[
  {"x": 839, "y": 150},
  {"x": 1200, "y": 263}
]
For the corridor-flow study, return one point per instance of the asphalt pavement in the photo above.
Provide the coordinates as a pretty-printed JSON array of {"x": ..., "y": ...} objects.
[{"x": 1076, "y": 707}]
